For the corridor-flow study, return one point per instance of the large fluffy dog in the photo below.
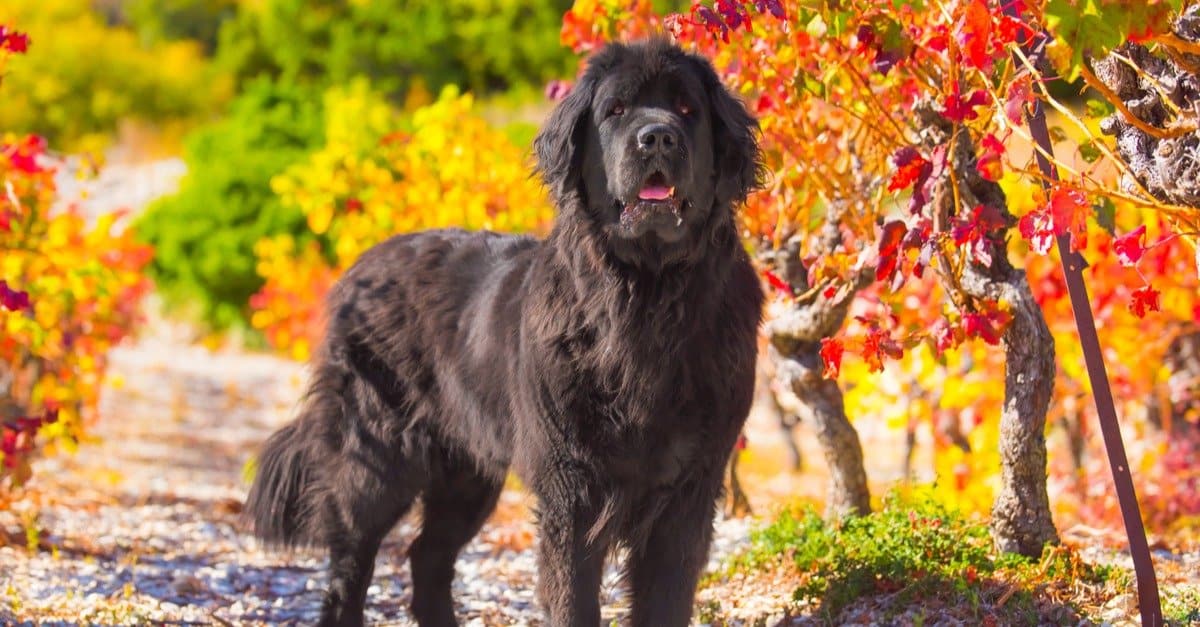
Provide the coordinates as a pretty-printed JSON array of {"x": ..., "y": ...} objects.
[{"x": 611, "y": 365}]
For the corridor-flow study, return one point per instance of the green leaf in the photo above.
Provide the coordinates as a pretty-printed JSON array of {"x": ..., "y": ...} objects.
[
  {"x": 1097, "y": 108},
  {"x": 1106, "y": 214},
  {"x": 1089, "y": 151},
  {"x": 816, "y": 26}
]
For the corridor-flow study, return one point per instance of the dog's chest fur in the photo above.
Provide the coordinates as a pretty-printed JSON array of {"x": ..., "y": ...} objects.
[{"x": 646, "y": 385}]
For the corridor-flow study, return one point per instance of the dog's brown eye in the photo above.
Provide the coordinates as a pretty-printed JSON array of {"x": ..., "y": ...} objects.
[{"x": 617, "y": 109}]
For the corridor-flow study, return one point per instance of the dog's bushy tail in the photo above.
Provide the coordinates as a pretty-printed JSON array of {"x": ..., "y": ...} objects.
[{"x": 287, "y": 502}]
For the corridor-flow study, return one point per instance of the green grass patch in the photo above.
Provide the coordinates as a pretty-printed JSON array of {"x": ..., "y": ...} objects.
[{"x": 914, "y": 550}]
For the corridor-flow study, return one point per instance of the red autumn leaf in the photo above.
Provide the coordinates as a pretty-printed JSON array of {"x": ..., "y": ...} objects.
[
  {"x": 885, "y": 60},
  {"x": 557, "y": 90},
  {"x": 1070, "y": 209},
  {"x": 24, "y": 155},
  {"x": 975, "y": 34},
  {"x": 981, "y": 326},
  {"x": 13, "y": 41},
  {"x": 1142, "y": 300},
  {"x": 1020, "y": 94},
  {"x": 1129, "y": 246},
  {"x": 1038, "y": 228},
  {"x": 889, "y": 249},
  {"x": 778, "y": 283},
  {"x": 1065, "y": 213},
  {"x": 830, "y": 291},
  {"x": 1010, "y": 28},
  {"x": 865, "y": 36},
  {"x": 944, "y": 336},
  {"x": 831, "y": 356},
  {"x": 731, "y": 13},
  {"x": 910, "y": 166},
  {"x": 989, "y": 164},
  {"x": 13, "y": 299},
  {"x": 958, "y": 109},
  {"x": 973, "y": 231},
  {"x": 774, "y": 7},
  {"x": 878, "y": 345},
  {"x": 765, "y": 103},
  {"x": 711, "y": 21},
  {"x": 937, "y": 40}
]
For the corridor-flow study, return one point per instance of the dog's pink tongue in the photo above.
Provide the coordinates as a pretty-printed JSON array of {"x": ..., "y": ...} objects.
[{"x": 655, "y": 192}]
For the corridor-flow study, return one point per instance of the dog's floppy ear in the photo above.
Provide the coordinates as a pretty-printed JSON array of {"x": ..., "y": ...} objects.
[
  {"x": 559, "y": 144},
  {"x": 735, "y": 143}
]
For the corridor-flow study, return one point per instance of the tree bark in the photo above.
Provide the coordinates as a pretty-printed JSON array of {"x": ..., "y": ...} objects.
[
  {"x": 1163, "y": 163},
  {"x": 800, "y": 370},
  {"x": 795, "y": 345},
  {"x": 1021, "y": 520},
  {"x": 1163, "y": 92}
]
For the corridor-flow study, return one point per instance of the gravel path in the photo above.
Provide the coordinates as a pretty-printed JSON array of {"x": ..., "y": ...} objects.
[{"x": 144, "y": 525}]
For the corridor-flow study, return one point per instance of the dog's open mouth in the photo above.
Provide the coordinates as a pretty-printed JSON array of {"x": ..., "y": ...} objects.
[{"x": 656, "y": 199}]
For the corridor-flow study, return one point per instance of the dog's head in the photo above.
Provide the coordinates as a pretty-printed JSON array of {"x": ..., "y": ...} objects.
[{"x": 654, "y": 148}]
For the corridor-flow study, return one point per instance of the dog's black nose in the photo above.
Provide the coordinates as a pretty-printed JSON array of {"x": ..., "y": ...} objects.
[{"x": 659, "y": 138}]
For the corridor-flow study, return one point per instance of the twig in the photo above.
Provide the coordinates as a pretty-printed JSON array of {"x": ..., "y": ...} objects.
[
  {"x": 1172, "y": 132},
  {"x": 1177, "y": 43}
]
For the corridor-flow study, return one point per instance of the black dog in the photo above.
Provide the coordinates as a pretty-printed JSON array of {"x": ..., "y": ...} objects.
[{"x": 611, "y": 365}]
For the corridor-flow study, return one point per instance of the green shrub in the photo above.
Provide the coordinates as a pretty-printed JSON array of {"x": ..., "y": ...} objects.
[
  {"x": 912, "y": 548},
  {"x": 481, "y": 45},
  {"x": 907, "y": 547},
  {"x": 205, "y": 234},
  {"x": 81, "y": 77},
  {"x": 172, "y": 20}
]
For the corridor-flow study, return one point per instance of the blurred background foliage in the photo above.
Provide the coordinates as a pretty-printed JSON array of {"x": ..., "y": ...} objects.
[
  {"x": 241, "y": 88},
  {"x": 85, "y": 77}
]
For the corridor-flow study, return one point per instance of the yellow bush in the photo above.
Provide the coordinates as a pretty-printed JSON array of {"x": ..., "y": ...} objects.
[
  {"x": 70, "y": 292},
  {"x": 377, "y": 176},
  {"x": 81, "y": 77}
]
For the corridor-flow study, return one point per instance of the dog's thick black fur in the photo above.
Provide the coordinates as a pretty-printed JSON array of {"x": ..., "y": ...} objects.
[{"x": 611, "y": 365}]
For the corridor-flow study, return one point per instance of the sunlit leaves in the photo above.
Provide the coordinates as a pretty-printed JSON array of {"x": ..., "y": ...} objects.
[
  {"x": 831, "y": 355},
  {"x": 69, "y": 291},
  {"x": 13, "y": 41},
  {"x": 783, "y": 287},
  {"x": 13, "y": 299},
  {"x": 1144, "y": 299},
  {"x": 889, "y": 249},
  {"x": 990, "y": 165},
  {"x": 960, "y": 108},
  {"x": 842, "y": 92},
  {"x": 972, "y": 232},
  {"x": 1065, "y": 213},
  {"x": 911, "y": 168},
  {"x": 445, "y": 166},
  {"x": 1018, "y": 97},
  {"x": 1129, "y": 246},
  {"x": 974, "y": 34}
]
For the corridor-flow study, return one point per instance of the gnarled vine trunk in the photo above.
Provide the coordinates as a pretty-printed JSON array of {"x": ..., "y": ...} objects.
[
  {"x": 795, "y": 346},
  {"x": 1163, "y": 162},
  {"x": 1021, "y": 520},
  {"x": 1160, "y": 150}
]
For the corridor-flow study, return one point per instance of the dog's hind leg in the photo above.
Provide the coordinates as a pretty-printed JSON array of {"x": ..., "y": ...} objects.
[
  {"x": 457, "y": 502},
  {"x": 373, "y": 482}
]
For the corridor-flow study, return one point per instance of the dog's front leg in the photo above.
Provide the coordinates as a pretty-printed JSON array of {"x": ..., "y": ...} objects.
[
  {"x": 663, "y": 574},
  {"x": 569, "y": 567}
]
